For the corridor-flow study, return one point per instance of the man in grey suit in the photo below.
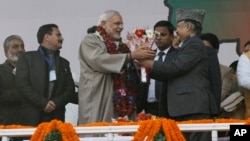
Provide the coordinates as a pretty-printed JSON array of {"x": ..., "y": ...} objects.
[{"x": 188, "y": 91}]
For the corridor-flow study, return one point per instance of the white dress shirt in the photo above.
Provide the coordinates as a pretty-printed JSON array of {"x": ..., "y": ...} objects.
[{"x": 151, "y": 90}]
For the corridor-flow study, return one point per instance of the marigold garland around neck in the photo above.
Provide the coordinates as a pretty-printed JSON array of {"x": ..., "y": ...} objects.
[{"x": 124, "y": 83}]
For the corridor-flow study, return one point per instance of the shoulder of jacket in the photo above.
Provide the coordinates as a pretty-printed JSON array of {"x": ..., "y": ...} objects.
[
  {"x": 30, "y": 53},
  {"x": 64, "y": 60}
]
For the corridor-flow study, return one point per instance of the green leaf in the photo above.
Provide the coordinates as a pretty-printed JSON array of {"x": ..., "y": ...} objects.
[
  {"x": 160, "y": 136},
  {"x": 54, "y": 135}
]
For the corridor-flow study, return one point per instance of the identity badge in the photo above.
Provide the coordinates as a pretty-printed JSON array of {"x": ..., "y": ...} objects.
[{"x": 52, "y": 75}]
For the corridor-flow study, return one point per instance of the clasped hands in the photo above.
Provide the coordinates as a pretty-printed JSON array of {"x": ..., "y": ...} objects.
[
  {"x": 144, "y": 56},
  {"x": 51, "y": 106}
]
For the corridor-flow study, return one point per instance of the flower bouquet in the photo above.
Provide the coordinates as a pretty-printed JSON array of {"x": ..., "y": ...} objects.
[{"x": 141, "y": 37}]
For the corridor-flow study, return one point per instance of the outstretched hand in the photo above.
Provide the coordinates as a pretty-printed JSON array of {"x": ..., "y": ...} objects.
[
  {"x": 143, "y": 53},
  {"x": 146, "y": 63}
]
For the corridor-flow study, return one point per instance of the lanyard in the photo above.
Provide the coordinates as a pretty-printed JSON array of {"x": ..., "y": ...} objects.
[{"x": 51, "y": 62}]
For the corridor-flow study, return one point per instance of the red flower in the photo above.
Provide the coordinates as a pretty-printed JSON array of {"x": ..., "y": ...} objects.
[{"x": 139, "y": 32}]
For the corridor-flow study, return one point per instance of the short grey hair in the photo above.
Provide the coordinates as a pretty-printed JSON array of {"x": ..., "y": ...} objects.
[
  {"x": 195, "y": 26},
  {"x": 105, "y": 16},
  {"x": 9, "y": 39}
]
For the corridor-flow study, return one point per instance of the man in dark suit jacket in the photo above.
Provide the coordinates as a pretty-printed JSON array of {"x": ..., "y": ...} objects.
[
  {"x": 44, "y": 79},
  {"x": 9, "y": 96},
  {"x": 147, "y": 98},
  {"x": 188, "y": 89}
]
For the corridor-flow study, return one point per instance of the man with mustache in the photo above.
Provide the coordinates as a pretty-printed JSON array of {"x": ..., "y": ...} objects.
[{"x": 44, "y": 79}]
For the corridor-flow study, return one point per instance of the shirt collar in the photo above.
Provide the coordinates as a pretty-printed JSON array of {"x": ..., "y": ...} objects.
[{"x": 165, "y": 51}]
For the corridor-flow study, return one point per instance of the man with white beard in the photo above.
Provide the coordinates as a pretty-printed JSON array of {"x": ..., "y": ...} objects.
[{"x": 9, "y": 98}]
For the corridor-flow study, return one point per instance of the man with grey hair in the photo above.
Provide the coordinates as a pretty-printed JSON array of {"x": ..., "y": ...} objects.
[
  {"x": 185, "y": 74},
  {"x": 108, "y": 79},
  {"x": 9, "y": 96},
  {"x": 13, "y": 46}
]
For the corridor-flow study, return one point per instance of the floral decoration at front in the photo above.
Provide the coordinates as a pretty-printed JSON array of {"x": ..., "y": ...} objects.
[
  {"x": 143, "y": 116},
  {"x": 55, "y": 130},
  {"x": 140, "y": 37}
]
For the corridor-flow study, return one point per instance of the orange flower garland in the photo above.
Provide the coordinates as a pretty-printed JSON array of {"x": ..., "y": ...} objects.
[
  {"x": 171, "y": 130},
  {"x": 219, "y": 120},
  {"x": 154, "y": 130},
  {"x": 14, "y": 126},
  {"x": 143, "y": 130},
  {"x": 152, "y": 127},
  {"x": 96, "y": 124},
  {"x": 66, "y": 129},
  {"x": 166, "y": 130}
]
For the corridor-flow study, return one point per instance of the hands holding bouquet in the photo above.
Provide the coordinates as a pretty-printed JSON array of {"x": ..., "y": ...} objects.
[
  {"x": 140, "y": 37},
  {"x": 140, "y": 43}
]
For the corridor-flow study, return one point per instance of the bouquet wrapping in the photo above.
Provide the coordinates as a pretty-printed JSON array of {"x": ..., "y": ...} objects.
[{"x": 141, "y": 37}]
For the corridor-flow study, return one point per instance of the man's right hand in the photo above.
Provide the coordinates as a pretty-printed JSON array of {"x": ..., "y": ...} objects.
[
  {"x": 49, "y": 107},
  {"x": 143, "y": 53}
]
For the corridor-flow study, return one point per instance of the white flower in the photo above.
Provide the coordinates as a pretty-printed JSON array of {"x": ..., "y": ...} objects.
[{"x": 149, "y": 33}]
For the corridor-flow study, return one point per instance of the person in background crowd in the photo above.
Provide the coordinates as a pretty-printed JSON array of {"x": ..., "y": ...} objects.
[
  {"x": 44, "y": 79},
  {"x": 239, "y": 111},
  {"x": 10, "y": 98},
  {"x": 211, "y": 40},
  {"x": 243, "y": 76},
  {"x": 247, "y": 46},
  {"x": 108, "y": 72},
  {"x": 148, "y": 99},
  {"x": 188, "y": 89}
]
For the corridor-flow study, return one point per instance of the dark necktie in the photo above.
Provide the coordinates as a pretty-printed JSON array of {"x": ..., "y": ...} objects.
[
  {"x": 158, "y": 83},
  {"x": 161, "y": 54}
]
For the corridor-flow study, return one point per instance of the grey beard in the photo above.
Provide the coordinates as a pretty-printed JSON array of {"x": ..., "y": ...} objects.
[{"x": 13, "y": 58}]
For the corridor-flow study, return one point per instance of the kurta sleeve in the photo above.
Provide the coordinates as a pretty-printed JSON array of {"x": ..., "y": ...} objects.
[{"x": 93, "y": 52}]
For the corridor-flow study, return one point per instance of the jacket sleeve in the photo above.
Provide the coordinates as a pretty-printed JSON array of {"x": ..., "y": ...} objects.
[
  {"x": 24, "y": 82},
  {"x": 179, "y": 63},
  {"x": 9, "y": 96},
  {"x": 64, "y": 87}
]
